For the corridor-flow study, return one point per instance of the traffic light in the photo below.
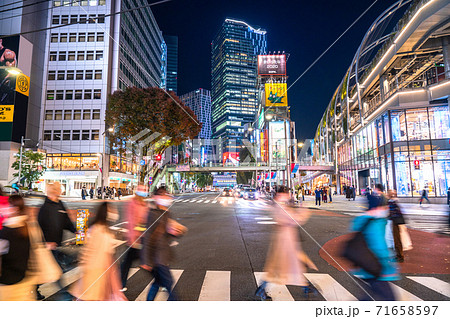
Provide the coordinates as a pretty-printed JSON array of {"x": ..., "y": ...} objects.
[
  {"x": 417, "y": 164},
  {"x": 158, "y": 157}
]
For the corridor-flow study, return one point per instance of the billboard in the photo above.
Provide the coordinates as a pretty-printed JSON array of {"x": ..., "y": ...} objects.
[
  {"x": 9, "y": 51},
  {"x": 272, "y": 64},
  {"x": 277, "y": 140},
  {"x": 276, "y": 94},
  {"x": 230, "y": 159}
]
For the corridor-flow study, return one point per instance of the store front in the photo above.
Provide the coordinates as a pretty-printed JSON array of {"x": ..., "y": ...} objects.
[{"x": 407, "y": 150}]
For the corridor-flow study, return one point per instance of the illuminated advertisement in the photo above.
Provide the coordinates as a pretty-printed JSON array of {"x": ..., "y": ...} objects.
[
  {"x": 272, "y": 64},
  {"x": 277, "y": 140},
  {"x": 9, "y": 50},
  {"x": 276, "y": 94},
  {"x": 6, "y": 113},
  {"x": 230, "y": 159}
]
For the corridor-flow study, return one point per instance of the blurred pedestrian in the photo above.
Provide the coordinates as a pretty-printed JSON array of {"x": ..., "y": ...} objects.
[
  {"x": 4, "y": 206},
  {"x": 91, "y": 192},
  {"x": 119, "y": 193},
  {"x": 156, "y": 254},
  {"x": 136, "y": 216},
  {"x": 303, "y": 193},
  {"x": 448, "y": 196},
  {"x": 372, "y": 224},
  {"x": 286, "y": 262},
  {"x": 83, "y": 193},
  {"x": 99, "y": 280},
  {"x": 330, "y": 193},
  {"x": 324, "y": 194},
  {"x": 353, "y": 192},
  {"x": 15, "y": 248},
  {"x": 396, "y": 216},
  {"x": 348, "y": 192},
  {"x": 318, "y": 194},
  {"x": 424, "y": 196},
  {"x": 53, "y": 220}
]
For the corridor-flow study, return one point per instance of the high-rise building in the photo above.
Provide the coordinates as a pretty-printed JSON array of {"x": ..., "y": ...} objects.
[
  {"x": 86, "y": 61},
  {"x": 26, "y": 53},
  {"x": 172, "y": 62},
  {"x": 200, "y": 102},
  {"x": 234, "y": 81}
]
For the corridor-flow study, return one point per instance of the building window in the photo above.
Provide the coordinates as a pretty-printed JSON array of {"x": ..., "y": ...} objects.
[
  {"x": 50, "y": 95},
  {"x": 51, "y": 75},
  {"x": 47, "y": 135},
  {"x": 73, "y": 19},
  {"x": 82, "y": 37},
  {"x": 58, "y": 115},
  {"x": 99, "y": 55},
  {"x": 79, "y": 75},
  {"x": 101, "y": 2},
  {"x": 55, "y": 19},
  {"x": 93, "y": 3},
  {"x": 63, "y": 37},
  {"x": 61, "y": 75},
  {"x": 69, "y": 75},
  {"x": 57, "y": 135},
  {"x": 80, "y": 55},
  {"x": 66, "y": 3},
  {"x": 95, "y": 135},
  {"x": 64, "y": 19},
  {"x": 49, "y": 115},
  {"x": 62, "y": 56},
  {"x": 69, "y": 94},
  {"x": 88, "y": 75},
  {"x": 101, "y": 18},
  {"x": 417, "y": 124},
  {"x": 84, "y": 2},
  {"x": 73, "y": 37},
  {"x": 98, "y": 74},
  {"x": 53, "y": 56},
  {"x": 76, "y": 135},
  {"x": 59, "y": 94},
  {"x": 86, "y": 114},
  {"x": 91, "y": 37},
  {"x": 68, "y": 114},
  {"x": 77, "y": 114},
  {"x": 71, "y": 56},
  {"x": 97, "y": 94},
  {"x": 66, "y": 135},
  {"x": 439, "y": 122},
  {"x": 56, "y": 3},
  {"x": 87, "y": 94},
  {"x": 90, "y": 55},
  {"x": 92, "y": 18},
  {"x": 54, "y": 38},
  {"x": 85, "y": 135},
  {"x": 78, "y": 95},
  {"x": 100, "y": 37},
  {"x": 83, "y": 19},
  {"x": 96, "y": 114}
]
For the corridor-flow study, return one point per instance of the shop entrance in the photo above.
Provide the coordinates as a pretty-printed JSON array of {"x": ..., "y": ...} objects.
[{"x": 363, "y": 180}]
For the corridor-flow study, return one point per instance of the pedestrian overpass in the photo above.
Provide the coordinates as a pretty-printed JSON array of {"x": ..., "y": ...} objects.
[{"x": 303, "y": 167}]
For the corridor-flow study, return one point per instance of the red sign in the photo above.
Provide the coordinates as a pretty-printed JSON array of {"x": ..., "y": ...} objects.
[{"x": 230, "y": 158}]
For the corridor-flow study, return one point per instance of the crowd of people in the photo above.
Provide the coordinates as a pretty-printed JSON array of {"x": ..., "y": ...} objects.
[
  {"x": 31, "y": 251},
  {"x": 105, "y": 193}
]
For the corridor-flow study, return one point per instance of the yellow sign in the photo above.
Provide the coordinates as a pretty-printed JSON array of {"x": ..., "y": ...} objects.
[
  {"x": 82, "y": 225},
  {"x": 276, "y": 94},
  {"x": 6, "y": 113},
  {"x": 23, "y": 84}
]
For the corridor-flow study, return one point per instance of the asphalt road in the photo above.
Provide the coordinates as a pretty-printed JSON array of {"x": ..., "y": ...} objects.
[{"x": 223, "y": 253}]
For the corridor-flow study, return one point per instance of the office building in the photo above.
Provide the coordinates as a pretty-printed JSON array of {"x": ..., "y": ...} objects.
[
  {"x": 86, "y": 61},
  {"x": 234, "y": 82},
  {"x": 172, "y": 63}
]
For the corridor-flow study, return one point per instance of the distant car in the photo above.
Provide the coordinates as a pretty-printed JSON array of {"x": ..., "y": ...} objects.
[
  {"x": 250, "y": 193},
  {"x": 227, "y": 192}
]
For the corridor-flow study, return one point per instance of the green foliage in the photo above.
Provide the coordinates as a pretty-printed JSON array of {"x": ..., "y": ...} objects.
[
  {"x": 203, "y": 179},
  {"x": 243, "y": 177},
  {"x": 32, "y": 166}
]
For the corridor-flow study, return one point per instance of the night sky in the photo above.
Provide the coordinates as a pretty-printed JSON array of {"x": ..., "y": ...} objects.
[{"x": 304, "y": 29}]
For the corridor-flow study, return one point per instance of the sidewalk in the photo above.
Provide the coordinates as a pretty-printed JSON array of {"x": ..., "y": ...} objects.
[{"x": 342, "y": 205}]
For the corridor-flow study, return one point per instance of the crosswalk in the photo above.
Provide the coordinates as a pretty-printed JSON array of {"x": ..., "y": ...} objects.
[
  {"x": 216, "y": 285},
  {"x": 226, "y": 201}
]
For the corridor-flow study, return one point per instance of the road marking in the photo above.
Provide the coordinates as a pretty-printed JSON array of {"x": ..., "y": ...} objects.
[
  {"x": 330, "y": 289},
  {"x": 435, "y": 284},
  {"x": 263, "y": 218},
  {"x": 186, "y": 200},
  {"x": 277, "y": 292},
  {"x": 201, "y": 200},
  {"x": 230, "y": 201},
  {"x": 267, "y": 223},
  {"x": 193, "y": 201},
  {"x": 132, "y": 272},
  {"x": 403, "y": 295},
  {"x": 207, "y": 201},
  {"x": 213, "y": 202},
  {"x": 161, "y": 295},
  {"x": 216, "y": 286},
  {"x": 67, "y": 279}
]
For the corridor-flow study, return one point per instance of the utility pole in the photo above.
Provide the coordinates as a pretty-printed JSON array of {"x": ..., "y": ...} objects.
[{"x": 22, "y": 140}]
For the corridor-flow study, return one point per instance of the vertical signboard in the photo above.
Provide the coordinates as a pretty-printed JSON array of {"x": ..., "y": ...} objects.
[
  {"x": 82, "y": 225},
  {"x": 276, "y": 94}
]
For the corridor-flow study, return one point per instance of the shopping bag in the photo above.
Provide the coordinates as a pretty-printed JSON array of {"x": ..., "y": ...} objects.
[
  {"x": 389, "y": 235},
  {"x": 174, "y": 228},
  {"x": 358, "y": 252},
  {"x": 405, "y": 238},
  {"x": 43, "y": 266}
]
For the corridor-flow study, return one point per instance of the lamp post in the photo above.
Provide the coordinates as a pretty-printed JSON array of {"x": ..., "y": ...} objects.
[
  {"x": 22, "y": 140},
  {"x": 103, "y": 156}
]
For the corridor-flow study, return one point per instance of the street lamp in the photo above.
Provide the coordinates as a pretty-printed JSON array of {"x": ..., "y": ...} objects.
[
  {"x": 22, "y": 140},
  {"x": 300, "y": 144},
  {"x": 110, "y": 130}
]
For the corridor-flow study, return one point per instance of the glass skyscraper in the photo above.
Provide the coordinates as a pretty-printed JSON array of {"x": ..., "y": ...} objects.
[
  {"x": 234, "y": 78},
  {"x": 172, "y": 62},
  {"x": 200, "y": 102}
]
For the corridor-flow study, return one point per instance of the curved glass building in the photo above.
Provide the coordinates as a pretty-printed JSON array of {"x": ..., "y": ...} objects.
[{"x": 388, "y": 121}]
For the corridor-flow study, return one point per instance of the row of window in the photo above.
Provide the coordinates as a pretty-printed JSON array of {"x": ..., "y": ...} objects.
[
  {"x": 82, "y": 18},
  {"x": 76, "y": 3},
  {"x": 77, "y": 37},
  {"x": 86, "y": 94},
  {"x": 75, "y": 75},
  {"x": 80, "y": 55},
  {"x": 74, "y": 135},
  {"x": 72, "y": 114}
]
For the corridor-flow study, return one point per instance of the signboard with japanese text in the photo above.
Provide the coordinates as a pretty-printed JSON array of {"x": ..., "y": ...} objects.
[
  {"x": 82, "y": 225},
  {"x": 6, "y": 113},
  {"x": 272, "y": 64}
]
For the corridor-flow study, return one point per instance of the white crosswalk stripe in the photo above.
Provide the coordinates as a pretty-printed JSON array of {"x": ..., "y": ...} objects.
[
  {"x": 161, "y": 295},
  {"x": 193, "y": 201},
  {"x": 403, "y": 295},
  {"x": 207, "y": 201},
  {"x": 277, "y": 292},
  {"x": 213, "y": 202},
  {"x": 201, "y": 200},
  {"x": 216, "y": 286},
  {"x": 435, "y": 284},
  {"x": 186, "y": 200},
  {"x": 332, "y": 290}
]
